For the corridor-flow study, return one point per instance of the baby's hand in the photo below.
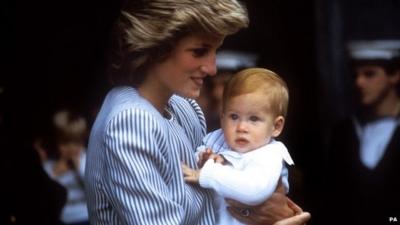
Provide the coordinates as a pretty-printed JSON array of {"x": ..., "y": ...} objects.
[
  {"x": 209, "y": 154},
  {"x": 203, "y": 156},
  {"x": 190, "y": 175},
  {"x": 217, "y": 158}
]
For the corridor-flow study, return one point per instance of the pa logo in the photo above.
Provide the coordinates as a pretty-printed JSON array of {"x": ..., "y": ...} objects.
[{"x": 392, "y": 219}]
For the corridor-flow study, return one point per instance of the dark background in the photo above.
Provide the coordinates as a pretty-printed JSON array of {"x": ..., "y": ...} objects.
[{"x": 53, "y": 54}]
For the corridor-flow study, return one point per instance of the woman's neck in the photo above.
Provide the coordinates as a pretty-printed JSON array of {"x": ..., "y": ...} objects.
[{"x": 155, "y": 94}]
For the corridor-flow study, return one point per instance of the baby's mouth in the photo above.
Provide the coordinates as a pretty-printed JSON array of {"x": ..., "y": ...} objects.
[{"x": 241, "y": 141}]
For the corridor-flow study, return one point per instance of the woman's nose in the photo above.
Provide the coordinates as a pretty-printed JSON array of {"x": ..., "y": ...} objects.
[{"x": 209, "y": 66}]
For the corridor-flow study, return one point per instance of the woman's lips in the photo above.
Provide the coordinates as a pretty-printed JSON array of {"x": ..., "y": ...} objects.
[{"x": 198, "y": 81}]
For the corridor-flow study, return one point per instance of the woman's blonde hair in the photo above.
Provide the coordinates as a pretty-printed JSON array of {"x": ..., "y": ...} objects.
[
  {"x": 263, "y": 81},
  {"x": 148, "y": 30}
]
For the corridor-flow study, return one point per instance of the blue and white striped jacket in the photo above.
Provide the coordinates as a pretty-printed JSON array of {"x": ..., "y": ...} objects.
[{"x": 133, "y": 172}]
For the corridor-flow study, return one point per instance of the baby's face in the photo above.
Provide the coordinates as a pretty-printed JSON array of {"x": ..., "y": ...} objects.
[{"x": 247, "y": 122}]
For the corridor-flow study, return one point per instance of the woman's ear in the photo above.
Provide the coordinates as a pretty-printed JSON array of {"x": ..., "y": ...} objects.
[{"x": 279, "y": 122}]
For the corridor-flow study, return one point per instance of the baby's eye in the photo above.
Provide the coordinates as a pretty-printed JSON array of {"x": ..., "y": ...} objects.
[
  {"x": 234, "y": 116},
  {"x": 254, "y": 118}
]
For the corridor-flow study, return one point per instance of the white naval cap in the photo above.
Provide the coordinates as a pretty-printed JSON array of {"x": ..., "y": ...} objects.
[
  {"x": 234, "y": 60},
  {"x": 374, "y": 49}
]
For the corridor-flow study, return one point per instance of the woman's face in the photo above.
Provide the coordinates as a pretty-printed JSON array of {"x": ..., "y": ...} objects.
[{"x": 182, "y": 73}]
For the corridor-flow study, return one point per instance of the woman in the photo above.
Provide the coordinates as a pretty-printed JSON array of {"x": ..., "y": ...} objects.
[{"x": 149, "y": 124}]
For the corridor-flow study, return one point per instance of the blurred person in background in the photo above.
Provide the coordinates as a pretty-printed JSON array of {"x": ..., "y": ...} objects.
[
  {"x": 29, "y": 195},
  {"x": 65, "y": 162},
  {"x": 364, "y": 151}
]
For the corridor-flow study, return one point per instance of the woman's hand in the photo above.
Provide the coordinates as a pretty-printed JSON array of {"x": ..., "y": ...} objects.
[
  {"x": 299, "y": 219},
  {"x": 277, "y": 210}
]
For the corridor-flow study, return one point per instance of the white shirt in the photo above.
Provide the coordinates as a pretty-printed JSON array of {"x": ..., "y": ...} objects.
[
  {"x": 374, "y": 138},
  {"x": 75, "y": 209},
  {"x": 250, "y": 177}
]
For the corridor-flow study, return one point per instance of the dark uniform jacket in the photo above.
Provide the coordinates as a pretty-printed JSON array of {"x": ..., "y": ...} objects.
[{"x": 361, "y": 195}]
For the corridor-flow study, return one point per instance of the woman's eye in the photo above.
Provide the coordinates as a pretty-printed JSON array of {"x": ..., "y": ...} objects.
[{"x": 199, "y": 52}]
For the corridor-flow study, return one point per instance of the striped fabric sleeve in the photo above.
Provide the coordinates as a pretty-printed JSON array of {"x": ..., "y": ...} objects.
[
  {"x": 138, "y": 172},
  {"x": 199, "y": 114},
  {"x": 191, "y": 119}
]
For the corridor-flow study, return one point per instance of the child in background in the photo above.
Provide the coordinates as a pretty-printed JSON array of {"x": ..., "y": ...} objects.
[
  {"x": 66, "y": 163},
  {"x": 247, "y": 163}
]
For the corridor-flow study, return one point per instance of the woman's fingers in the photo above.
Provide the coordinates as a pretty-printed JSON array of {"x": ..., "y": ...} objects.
[
  {"x": 239, "y": 214},
  {"x": 251, "y": 215},
  {"x": 278, "y": 207},
  {"x": 297, "y": 210},
  {"x": 299, "y": 219}
]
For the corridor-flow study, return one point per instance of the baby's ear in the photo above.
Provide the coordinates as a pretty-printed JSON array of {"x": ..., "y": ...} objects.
[
  {"x": 279, "y": 122},
  {"x": 221, "y": 116}
]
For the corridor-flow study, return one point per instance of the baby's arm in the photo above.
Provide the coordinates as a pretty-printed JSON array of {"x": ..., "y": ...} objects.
[
  {"x": 250, "y": 185},
  {"x": 191, "y": 175}
]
